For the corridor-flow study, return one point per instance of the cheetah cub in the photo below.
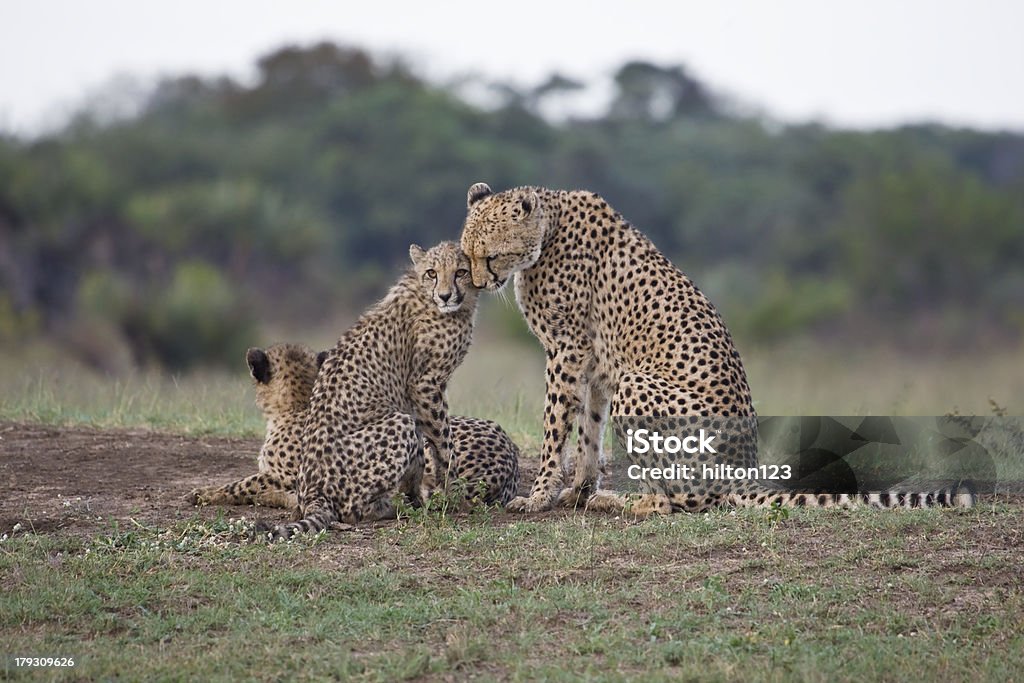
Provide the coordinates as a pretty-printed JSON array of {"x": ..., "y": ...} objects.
[
  {"x": 379, "y": 400},
  {"x": 484, "y": 456},
  {"x": 283, "y": 377}
]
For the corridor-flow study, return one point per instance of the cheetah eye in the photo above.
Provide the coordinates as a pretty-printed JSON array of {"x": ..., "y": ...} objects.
[
  {"x": 461, "y": 272},
  {"x": 432, "y": 274}
]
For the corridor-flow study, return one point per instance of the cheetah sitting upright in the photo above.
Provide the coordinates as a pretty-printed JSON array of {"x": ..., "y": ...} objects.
[
  {"x": 622, "y": 329},
  {"x": 283, "y": 377},
  {"x": 361, "y": 442},
  {"x": 483, "y": 455}
]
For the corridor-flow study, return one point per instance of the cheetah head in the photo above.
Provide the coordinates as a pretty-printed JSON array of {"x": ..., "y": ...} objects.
[
  {"x": 443, "y": 271},
  {"x": 283, "y": 376},
  {"x": 502, "y": 234}
]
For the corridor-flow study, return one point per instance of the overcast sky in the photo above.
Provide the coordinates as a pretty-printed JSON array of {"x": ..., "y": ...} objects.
[{"x": 860, "y": 63}]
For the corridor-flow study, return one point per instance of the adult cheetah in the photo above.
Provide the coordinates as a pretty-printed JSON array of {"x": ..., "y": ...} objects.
[
  {"x": 483, "y": 455},
  {"x": 623, "y": 330},
  {"x": 382, "y": 387}
]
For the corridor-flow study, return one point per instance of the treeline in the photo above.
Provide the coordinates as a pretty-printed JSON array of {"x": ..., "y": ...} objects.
[{"x": 219, "y": 204}]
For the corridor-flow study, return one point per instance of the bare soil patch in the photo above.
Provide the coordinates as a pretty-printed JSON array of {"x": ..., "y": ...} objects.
[{"x": 77, "y": 479}]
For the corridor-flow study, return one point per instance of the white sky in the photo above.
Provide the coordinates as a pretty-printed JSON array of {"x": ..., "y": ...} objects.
[{"x": 856, "y": 63}]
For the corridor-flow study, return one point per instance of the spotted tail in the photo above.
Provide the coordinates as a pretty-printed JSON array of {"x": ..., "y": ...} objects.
[
  {"x": 315, "y": 521},
  {"x": 961, "y": 495}
]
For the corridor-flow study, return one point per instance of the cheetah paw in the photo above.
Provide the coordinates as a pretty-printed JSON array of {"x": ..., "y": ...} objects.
[
  {"x": 606, "y": 501},
  {"x": 572, "y": 497},
  {"x": 534, "y": 503}
]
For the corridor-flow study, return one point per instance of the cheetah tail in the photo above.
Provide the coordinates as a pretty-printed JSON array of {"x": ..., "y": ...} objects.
[
  {"x": 960, "y": 495},
  {"x": 314, "y": 521}
]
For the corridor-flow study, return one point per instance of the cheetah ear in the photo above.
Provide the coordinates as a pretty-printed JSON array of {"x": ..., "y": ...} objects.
[
  {"x": 529, "y": 203},
  {"x": 320, "y": 358},
  {"x": 416, "y": 252},
  {"x": 259, "y": 365},
  {"x": 477, "y": 191}
]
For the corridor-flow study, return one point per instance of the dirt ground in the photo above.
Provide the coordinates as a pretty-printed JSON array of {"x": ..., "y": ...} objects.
[{"x": 75, "y": 480}]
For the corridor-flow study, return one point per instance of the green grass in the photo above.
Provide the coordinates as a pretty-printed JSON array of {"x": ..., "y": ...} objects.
[
  {"x": 808, "y": 378},
  {"x": 815, "y": 595},
  {"x": 754, "y": 595},
  {"x": 504, "y": 381},
  {"x": 64, "y": 393}
]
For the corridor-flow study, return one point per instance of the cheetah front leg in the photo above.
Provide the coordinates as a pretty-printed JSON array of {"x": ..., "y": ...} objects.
[
  {"x": 561, "y": 405},
  {"x": 431, "y": 406},
  {"x": 260, "y": 489},
  {"x": 590, "y": 460},
  {"x": 409, "y": 487},
  {"x": 428, "y": 484}
]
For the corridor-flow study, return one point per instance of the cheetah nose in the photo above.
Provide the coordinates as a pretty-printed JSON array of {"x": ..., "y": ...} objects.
[{"x": 445, "y": 297}]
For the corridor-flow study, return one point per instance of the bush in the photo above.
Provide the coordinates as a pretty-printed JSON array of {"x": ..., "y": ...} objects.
[
  {"x": 14, "y": 324},
  {"x": 788, "y": 306},
  {"x": 767, "y": 305},
  {"x": 197, "y": 318}
]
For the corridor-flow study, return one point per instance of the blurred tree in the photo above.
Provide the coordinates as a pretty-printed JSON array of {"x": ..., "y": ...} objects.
[
  {"x": 299, "y": 194},
  {"x": 928, "y": 236},
  {"x": 556, "y": 84},
  {"x": 649, "y": 92}
]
